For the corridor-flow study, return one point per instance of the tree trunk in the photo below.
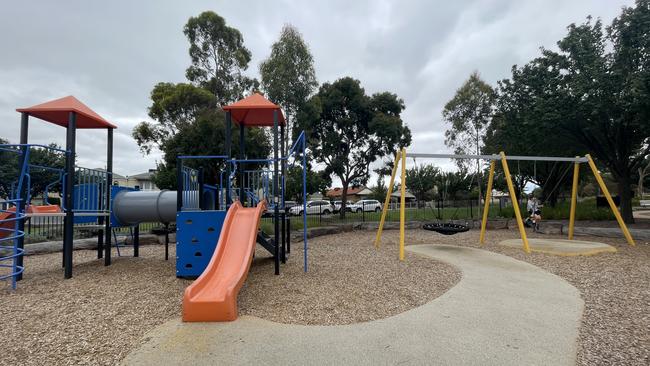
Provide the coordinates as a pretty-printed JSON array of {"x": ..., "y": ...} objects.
[
  {"x": 625, "y": 193},
  {"x": 344, "y": 199},
  {"x": 478, "y": 170},
  {"x": 642, "y": 173}
]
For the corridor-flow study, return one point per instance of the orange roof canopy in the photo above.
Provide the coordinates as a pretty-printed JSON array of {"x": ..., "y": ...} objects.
[
  {"x": 57, "y": 111},
  {"x": 255, "y": 110}
]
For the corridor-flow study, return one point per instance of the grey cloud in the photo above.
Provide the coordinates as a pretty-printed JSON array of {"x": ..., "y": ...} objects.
[{"x": 110, "y": 54}]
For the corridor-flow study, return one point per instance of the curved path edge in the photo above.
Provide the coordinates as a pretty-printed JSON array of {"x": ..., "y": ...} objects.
[{"x": 502, "y": 312}]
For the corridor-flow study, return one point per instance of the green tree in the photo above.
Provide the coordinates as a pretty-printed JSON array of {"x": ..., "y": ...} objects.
[
  {"x": 421, "y": 181},
  {"x": 469, "y": 113},
  {"x": 605, "y": 86},
  {"x": 525, "y": 108},
  {"x": 41, "y": 178},
  {"x": 349, "y": 130},
  {"x": 207, "y": 136},
  {"x": 218, "y": 56},
  {"x": 316, "y": 182},
  {"x": 287, "y": 75},
  {"x": 9, "y": 171},
  {"x": 187, "y": 117},
  {"x": 173, "y": 107},
  {"x": 379, "y": 190}
]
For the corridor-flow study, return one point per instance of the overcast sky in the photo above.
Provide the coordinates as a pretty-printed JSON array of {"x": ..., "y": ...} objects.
[{"x": 110, "y": 54}]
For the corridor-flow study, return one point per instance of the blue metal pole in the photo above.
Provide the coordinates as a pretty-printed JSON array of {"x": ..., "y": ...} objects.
[{"x": 304, "y": 202}]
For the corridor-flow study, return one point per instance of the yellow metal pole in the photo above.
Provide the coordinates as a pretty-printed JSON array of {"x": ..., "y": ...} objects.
[
  {"x": 603, "y": 188},
  {"x": 402, "y": 204},
  {"x": 515, "y": 202},
  {"x": 387, "y": 200},
  {"x": 574, "y": 198},
  {"x": 486, "y": 207}
]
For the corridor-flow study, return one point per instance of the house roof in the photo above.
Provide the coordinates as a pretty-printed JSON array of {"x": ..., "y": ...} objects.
[
  {"x": 143, "y": 176},
  {"x": 398, "y": 193},
  {"x": 57, "y": 111},
  {"x": 338, "y": 191},
  {"x": 255, "y": 110},
  {"x": 115, "y": 175}
]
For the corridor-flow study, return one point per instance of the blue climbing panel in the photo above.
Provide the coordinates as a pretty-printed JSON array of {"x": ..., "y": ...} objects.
[{"x": 197, "y": 234}]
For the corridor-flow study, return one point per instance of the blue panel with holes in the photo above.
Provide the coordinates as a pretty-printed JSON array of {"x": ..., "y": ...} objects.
[{"x": 197, "y": 234}]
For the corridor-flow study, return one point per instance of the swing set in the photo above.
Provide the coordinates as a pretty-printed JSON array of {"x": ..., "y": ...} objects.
[{"x": 450, "y": 228}]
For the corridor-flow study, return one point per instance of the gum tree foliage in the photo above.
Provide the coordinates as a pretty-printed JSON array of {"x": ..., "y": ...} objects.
[
  {"x": 349, "y": 130},
  {"x": 421, "y": 180},
  {"x": 287, "y": 76},
  {"x": 316, "y": 182},
  {"x": 9, "y": 171},
  {"x": 469, "y": 113},
  {"x": 187, "y": 117},
  {"x": 219, "y": 58},
  {"x": 600, "y": 95},
  {"x": 40, "y": 178},
  {"x": 524, "y": 110}
]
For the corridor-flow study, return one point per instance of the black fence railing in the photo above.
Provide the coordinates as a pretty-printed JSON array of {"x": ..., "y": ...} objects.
[{"x": 50, "y": 228}]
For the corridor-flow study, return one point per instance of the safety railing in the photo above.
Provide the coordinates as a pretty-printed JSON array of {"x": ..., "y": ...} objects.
[
  {"x": 190, "y": 188},
  {"x": 89, "y": 195},
  {"x": 10, "y": 221},
  {"x": 191, "y": 185}
]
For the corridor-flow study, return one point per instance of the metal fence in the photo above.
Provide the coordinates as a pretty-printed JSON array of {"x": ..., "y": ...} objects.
[{"x": 50, "y": 228}]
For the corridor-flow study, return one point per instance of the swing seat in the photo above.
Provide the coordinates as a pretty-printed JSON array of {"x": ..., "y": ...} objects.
[{"x": 445, "y": 228}]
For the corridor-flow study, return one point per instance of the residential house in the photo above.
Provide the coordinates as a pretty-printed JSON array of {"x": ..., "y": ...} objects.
[
  {"x": 354, "y": 193},
  {"x": 142, "y": 181}
]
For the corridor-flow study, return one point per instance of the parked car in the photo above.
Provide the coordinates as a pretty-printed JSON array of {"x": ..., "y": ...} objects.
[
  {"x": 289, "y": 204},
  {"x": 364, "y": 205},
  {"x": 337, "y": 205},
  {"x": 313, "y": 208}
]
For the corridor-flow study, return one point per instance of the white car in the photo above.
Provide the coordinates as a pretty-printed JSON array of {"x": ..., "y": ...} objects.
[
  {"x": 364, "y": 205},
  {"x": 337, "y": 205},
  {"x": 313, "y": 208}
]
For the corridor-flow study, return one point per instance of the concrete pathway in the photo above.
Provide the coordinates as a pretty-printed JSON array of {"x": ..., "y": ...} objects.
[
  {"x": 502, "y": 312},
  {"x": 561, "y": 247}
]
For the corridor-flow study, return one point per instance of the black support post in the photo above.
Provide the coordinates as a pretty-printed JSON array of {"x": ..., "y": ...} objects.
[
  {"x": 24, "y": 128},
  {"x": 68, "y": 222},
  {"x": 242, "y": 148},
  {"x": 276, "y": 210},
  {"x": 283, "y": 252},
  {"x": 109, "y": 178},
  {"x": 167, "y": 241},
  {"x": 136, "y": 241},
  {"x": 288, "y": 235},
  {"x": 179, "y": 184},
  {"x": 100, "y": 239},
  {"x": 201, "y": 180},
  {"x": 229, "y": 155}
]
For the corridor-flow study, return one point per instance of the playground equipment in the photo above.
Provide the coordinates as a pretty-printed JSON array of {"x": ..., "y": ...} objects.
[
  {"x": 70, "y": 113},
  {"x": 213, "y": 296},
  {"x": 445, "y": 228},
  {"x": 401, "y": 156},
  {"x": 216, "y": 234}
]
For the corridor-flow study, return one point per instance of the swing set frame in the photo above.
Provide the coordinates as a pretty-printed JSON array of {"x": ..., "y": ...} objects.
[{"x": 401, "y": 156}]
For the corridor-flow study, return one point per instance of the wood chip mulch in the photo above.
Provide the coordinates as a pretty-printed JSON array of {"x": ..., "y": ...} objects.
[{"x": 102, "y": 313}]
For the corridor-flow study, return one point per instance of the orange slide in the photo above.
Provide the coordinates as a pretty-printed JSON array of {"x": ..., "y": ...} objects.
[{"x": 213, "y": 296}]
